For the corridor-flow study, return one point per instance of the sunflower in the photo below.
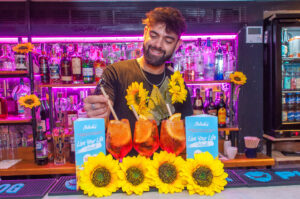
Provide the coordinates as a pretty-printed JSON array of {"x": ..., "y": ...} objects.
[
  {"x": 134, "y": 175},
  {"x": 205, "y": 175},
  {"x": 138, "y": 97},
  {"x": 166, "y": 172},
  {"x": 238, "y": 78},
  {"x": 23, "y": 48},
  {"x": 99, "y": 176},
  {"x": 177, "y": 88},
  {"x": 29, "y": 101}
]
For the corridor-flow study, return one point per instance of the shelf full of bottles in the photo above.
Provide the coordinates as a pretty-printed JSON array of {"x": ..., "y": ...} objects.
[{"x": 65, "y": 73}]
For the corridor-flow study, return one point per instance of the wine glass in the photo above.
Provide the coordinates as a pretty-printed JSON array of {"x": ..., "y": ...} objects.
[
  {"x": 118, "y": 138},
  {"x": 145, "y": 139}
]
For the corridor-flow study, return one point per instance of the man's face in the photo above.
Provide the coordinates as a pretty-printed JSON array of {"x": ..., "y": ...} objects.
[{"x": 159, "y": 45}]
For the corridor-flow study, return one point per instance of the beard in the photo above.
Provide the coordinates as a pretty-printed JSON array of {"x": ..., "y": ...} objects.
[{"x": 153, "y": 59}]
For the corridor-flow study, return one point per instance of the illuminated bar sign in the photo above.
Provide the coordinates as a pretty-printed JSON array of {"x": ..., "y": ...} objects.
[{"x": 201, "y": 135}]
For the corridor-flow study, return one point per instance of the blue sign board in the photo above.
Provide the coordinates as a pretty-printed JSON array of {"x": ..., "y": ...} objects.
[{"x": 201, "y": 135}]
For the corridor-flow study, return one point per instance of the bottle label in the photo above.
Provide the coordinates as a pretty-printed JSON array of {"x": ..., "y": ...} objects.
[
  {"x": 198, "y": 103},
  {"x": 73, "y": 147},
  {"x": 81, "y": 113},
  {"x": 41, "y": 149},
  {"x": 76, "y": 66},
  {"x": 20, "y": 60},
  {"x": 222, "y": 116},
  {"x": 70, "y": 117},
  {"x": 88, "y": 72},
  {"x": 291, "y": 115},
  {"x": 98, "y": 72},
  {"x": 284, "y": 116},
  {"x": 212, "y": 112},
  {"x": 54, "y": 72},
  {"x": 66, "y": 78},
  {"x": 287, "y": 83}
]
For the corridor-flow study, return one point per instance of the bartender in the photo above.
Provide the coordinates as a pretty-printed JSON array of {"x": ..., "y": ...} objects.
[{"x": 163, "y": 28}]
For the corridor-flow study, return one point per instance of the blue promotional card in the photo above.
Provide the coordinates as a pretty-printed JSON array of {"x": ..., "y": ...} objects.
[{"x": 201, "y": 135}]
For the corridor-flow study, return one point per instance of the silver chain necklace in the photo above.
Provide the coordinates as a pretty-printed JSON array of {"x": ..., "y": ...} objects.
[{"x": 159, "y": 84}]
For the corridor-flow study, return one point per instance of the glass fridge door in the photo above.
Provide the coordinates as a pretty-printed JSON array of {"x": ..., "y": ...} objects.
[{"x": 290, "y": 69}]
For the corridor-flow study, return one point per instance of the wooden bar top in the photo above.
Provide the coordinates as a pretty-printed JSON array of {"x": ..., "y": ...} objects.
[
  {"x": 242, "y": 161},
  {"x": 28, "y": 167}
]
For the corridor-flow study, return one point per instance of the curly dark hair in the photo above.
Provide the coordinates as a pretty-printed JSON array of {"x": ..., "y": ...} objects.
[{"x": 172, "y": 17}]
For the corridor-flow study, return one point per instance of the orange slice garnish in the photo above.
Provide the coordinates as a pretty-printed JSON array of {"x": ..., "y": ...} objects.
[
  {"x": 175, "y": 127},
  {"x": 143, "y": 131}
]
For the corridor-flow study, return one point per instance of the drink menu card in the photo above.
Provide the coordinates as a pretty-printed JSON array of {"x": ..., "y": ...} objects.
[
  {"x": 201, "y": 135},
  {"x": 89, "y": 136}
]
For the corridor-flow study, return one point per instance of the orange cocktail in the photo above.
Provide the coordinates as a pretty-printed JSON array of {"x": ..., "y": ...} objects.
[
  {"x": 145, "y": 139},
  {"x": 118, "y": 138},
  {"x": 172, "y": 135}
]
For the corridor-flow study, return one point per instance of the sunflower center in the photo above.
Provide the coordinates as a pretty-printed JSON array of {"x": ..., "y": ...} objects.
[
  {"x": 136, "y": 97},
  {"x": 29, "y": 101},
  {"x": 203, "y": 176},
  {"x": 237, "y": 78},
  {"x": 134, "y": 175},
  {"x": 167, "y": 173},
  {"x": 101, "y": 177}
]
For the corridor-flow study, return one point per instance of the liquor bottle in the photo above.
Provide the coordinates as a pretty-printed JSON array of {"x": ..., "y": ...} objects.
[
  {"x": 123, "y": 54},
  {"x": 54, "y": 67},
  {"x": 189, "y": 72},
  {"x": 200, "y": 61},
  {"x": 291, "y": 107},
  {"x": 286, "y": 77},
  {"x": 284, "y": 108},
  {"x": 222, "y": 112},
  {"x": 59, "y": 144},
  {"x": 20, "y": 59},
  {"x": 44, "y": 68},
  {"x": 219, "y": 62},
  {"x": 76, "y": 66},
  {"x": 6, "y": 62},
  {"x": 229, "y": 62},
  {"x": 209, "y": 61},
  {"x": 61, "y": 105},
  {"x": 71, "y": 111},
  {"x": 44, "y": 113},
  {"x": 88, "y": 69},
  {"x": 41, "y": 147},
  {"x": 19, "y": 91},
  {"x": 81, "y": 112},
  {"x": 99, "y": 66},
  {"x": 65, "y": 66},
  {"x": 211, "y": 109},
  {"x": 206, "y": 102},
  {"x": 297, "y": 104},
  {"x": 72, "y": 144},
  {"x": 198, "y": 103},
  {"x": 3, "y": 105}
]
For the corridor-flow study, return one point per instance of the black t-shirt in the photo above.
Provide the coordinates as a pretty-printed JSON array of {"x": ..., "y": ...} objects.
[{"x": 120, "y": 75}]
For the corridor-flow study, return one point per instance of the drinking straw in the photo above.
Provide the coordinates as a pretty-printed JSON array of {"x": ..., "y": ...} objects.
[
  {"x": 109, "y": 104},
  {"x": 134, "y": 112},
  {"x": 169, "y": 109}
]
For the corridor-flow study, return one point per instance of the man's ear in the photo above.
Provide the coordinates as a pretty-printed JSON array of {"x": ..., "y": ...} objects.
[{"x": 179, "y": 42}]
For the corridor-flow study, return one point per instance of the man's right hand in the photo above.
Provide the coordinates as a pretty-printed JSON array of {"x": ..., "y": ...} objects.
[{"x": 96, "y": 106}]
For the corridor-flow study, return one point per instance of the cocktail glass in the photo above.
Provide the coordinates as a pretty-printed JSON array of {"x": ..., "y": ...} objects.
[
  {"x": 172, "y": 136},
  {"x": 145, "y": 139},
  {"x": 118, "y": 138}
]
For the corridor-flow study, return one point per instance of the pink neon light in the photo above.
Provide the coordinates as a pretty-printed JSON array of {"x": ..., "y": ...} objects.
[
  {"x": 123, "y": 38},
  {"x": 11, "y": 40}
]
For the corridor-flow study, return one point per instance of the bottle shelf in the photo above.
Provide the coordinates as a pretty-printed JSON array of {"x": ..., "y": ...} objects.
[
  {"x": 5, "y": 74},
  {"x": 67, "y": 85},
  {"x": 290, "y": 91},
  {"x": 234, "y": 128},
  {"x": 15, "y": 120},
  {"x": 207, "y": 82},
  {"x": 27, "y": 166},
  {"x": 289, "y": 123},
  {"x": 293, "y": 59}
]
